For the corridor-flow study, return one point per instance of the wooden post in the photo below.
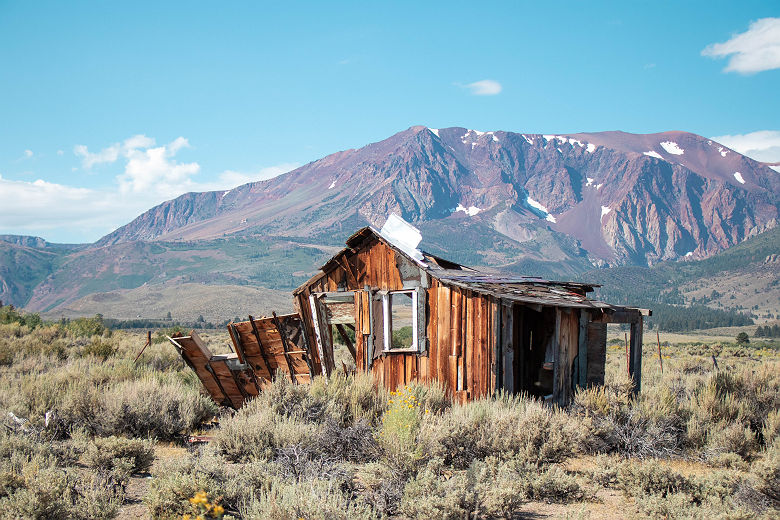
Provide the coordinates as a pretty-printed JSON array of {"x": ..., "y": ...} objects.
[
  {"x": 148, "y": 341},
  {"x": 558, "y": 388},
  {"x": 660, "y": 357},
  {"x": 318, "y": 332},
  {"x": 343, "y": 333},
  {"x": 498, "y": 344},
  {"x": 582, "y": 351},
  {"x": 635, "y": 367},
  {"x": 628, "y": 363},
  {"x": 507, "y": 337}
]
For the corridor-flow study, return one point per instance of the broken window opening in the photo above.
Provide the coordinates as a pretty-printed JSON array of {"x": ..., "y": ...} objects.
[{"x": 400, "y": 321}]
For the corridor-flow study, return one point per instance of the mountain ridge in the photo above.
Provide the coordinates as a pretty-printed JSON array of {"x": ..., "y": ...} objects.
[{"x": 653, "y": 196}]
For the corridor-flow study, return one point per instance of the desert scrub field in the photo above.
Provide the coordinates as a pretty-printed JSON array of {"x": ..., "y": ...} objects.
[{"x": 82, "y": 423}]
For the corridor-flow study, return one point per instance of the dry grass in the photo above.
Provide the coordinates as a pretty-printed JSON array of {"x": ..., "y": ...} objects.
[{"x": 697, "y": 443}]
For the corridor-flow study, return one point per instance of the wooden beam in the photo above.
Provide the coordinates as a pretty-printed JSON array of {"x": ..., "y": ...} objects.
[
  {"x": 318, "y": 332},
  {"x": 305, "y": 338},
  {"x": 498, "y": 345},
  {"x": 351, "y": 278},
  {"x": 635, "y": 356},
  {"x": 285, "y": 347},
  {"x": 237, "y": 342},
  {"x": 582, "y": 350},
  {"x": 619, "y": 316},
  {"x": 256, "y": 333},
  {"x": 221, "y": 388},
  {"x": 233, "y": 331},
  {"x": 241, "y": 388},
  {"x": 508, "y": 348},
  {"x": 347, "y": 342},
  {"x": 558, "y": 388}
]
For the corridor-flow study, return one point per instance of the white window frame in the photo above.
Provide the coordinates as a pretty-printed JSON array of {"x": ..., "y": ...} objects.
[{"x": 387, "y": 315}]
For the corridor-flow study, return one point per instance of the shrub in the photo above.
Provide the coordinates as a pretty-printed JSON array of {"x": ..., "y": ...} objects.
[
  {"x": 105, "y": 453},
  {"x": 730, "y": 438},
  {"x": 256, "y": 433},
  {"x": 354, "y": 443},
  {"x": 505, "y": 426},
  {"x": 490, "y": 488},
  {"x": 286, "y": 500},
  {"x": 649, "y": 427},
  {"x": 650, "y": 478},
  {"x": 501, "y": 487},
  {"x": 433, "y": 494},
  {"x": 398, "y": 434},
  {"x": 99, "y": 348},
  {"x": 346, "y": 399},
  {"x": 767, "y": 473},
  {"x": 176, "y": 481},
  {"x": 148, "y": 408},
  {"x": 381, "y": 486},
  {"x": 85, "y": 327},
  {"x": 34, "y": 491}
]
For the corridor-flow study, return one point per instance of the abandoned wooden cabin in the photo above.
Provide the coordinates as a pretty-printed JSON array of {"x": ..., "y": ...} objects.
[{"x": 407, "y": 315}]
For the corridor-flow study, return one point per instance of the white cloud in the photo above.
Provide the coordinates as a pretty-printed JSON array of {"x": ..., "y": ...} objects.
[
  {"x": 763, "y": 145},
  {"x": 485, "y": 87},
  {"x": 39, "y": 206},
  {"x": 112, "y": 153},
  {"x": 60, "y": 212},
  {"x": 28, "y": 154},
  {"x": 155, "y": 170},
  {"x": 60, "y": 152},
  {"x": 755, "y": 50},
  {"x": 151, "y": 175}
]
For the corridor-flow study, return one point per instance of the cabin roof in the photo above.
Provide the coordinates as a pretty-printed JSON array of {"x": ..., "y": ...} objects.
[{"x": 522, "y": 289}]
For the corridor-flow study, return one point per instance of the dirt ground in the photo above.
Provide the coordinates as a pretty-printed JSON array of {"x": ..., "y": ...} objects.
[{"x": 133, "y": 507}]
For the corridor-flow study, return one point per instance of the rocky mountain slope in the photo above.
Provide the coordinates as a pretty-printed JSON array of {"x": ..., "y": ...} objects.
[{"x": 626, "y": 198}]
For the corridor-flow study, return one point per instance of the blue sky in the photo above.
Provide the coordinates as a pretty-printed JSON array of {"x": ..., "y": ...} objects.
[{"x": 108, "y": 108}]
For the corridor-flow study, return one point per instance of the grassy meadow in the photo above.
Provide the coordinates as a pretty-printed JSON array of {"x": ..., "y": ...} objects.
[{"x": 89, "y": 433}]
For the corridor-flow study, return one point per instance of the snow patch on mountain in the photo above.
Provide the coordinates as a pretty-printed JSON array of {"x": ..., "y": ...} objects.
[
  {"x": 539, "y": 208},
  {"x": 590, "y": 148},
  {"x": 739, "y": 178},
  {"x": 528, "y": 140},
  {"x": 672, "y": 148},
  {"x": 653, "y": 153},
  {"x": 605, "y": 211},
  {"x": 590, "y": 181},
  {"x": 434, "y": 131},
  {"x": 332, "y": 185},
  {"x": 470, "y": 211}
]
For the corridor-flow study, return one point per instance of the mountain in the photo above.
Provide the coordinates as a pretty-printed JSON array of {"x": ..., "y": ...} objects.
[
  {"x": 625, "y": 198},
  {"x": 25, "y": 262},
  {"x": 547, "y": 205}
]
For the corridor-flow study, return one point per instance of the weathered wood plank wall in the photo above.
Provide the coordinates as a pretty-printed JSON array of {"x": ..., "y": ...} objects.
[{"x": 458, "y": 327}]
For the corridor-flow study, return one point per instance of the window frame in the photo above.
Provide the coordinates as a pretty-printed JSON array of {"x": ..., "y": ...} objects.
[{"x": 387, "y": 318}]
